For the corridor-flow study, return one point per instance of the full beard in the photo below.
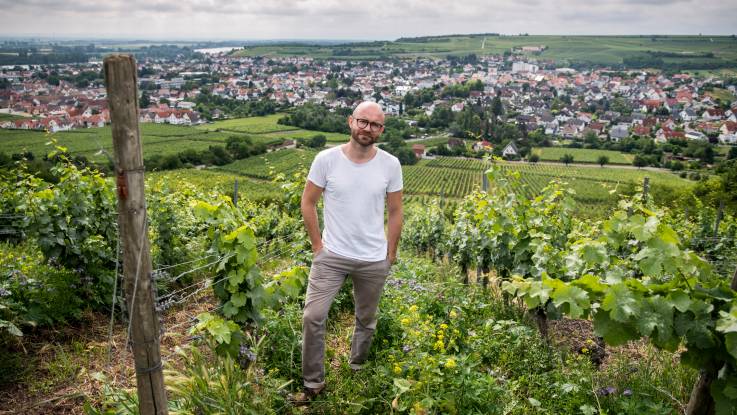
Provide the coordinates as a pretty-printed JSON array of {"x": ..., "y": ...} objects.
[{"x": 365, "y": 140}]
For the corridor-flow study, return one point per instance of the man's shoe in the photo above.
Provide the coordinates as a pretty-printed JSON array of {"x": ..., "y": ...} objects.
[{"x": 306, "y": 396}]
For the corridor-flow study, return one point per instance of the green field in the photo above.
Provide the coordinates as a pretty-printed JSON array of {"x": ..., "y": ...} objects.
[
  {"x": 214, "y": 180},
  {"x": 581, "y": 155},
  {"x": 252, "y": 125},
  {"x": 266, "y": 166},
  {"x": 453, "y": 178},
  {"x": 268, "y": 127},
  {"x": 603, "y": 50},
  {"x": 163, "y": 139},
  {"x": 157, "y": 139}
]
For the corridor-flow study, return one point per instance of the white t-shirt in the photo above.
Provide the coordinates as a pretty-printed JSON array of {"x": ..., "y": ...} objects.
[{"x": 354, "y": 197}]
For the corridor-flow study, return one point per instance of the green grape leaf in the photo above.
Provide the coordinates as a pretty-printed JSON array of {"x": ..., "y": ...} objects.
[
  {"x": 695, "y": 325},
  {"x": 668, "y": 235},
  {"x": 657, "y": 315},
  {"x": 613, "y": 332},
  {"x": 537, "y": 294},
  {"x": 591, "y": 283},
  {"x": 621, "y": 303},
  {"x": 650, "y": 261},
  {"x": 727, "y": 322},
  {"x": 235, "y": 277},
  {"x": 730, "y": 343},
  {"x": 573, "y": 300},
  {"x": 681, "y": 301},
  {"x": 239, "y": 299},
  {"x": 594, "y": 253},
  {"x": 643, "y": 229},
  {"x": 229, "y": 309}
]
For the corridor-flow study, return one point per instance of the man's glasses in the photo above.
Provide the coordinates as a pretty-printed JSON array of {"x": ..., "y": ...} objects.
[{"x": 375, "y": 126}]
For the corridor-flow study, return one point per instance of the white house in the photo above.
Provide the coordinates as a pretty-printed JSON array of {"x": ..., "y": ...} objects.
[{"x": 510, "y": 150}]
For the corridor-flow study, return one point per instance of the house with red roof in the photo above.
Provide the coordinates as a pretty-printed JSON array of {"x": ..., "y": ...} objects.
[
  {"x": 664, "y": 134},
  {"x": 641, "y": 130}
]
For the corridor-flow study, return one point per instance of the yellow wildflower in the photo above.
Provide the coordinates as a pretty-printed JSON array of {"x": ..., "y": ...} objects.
[
  {"x": 453, "y": 314},
  {"x": 413, "y": 308},
  {"x": 584, "y": 350},
  {"x": 397, "y": 369},
  {"x": 405, "y": 321},
  {"x": 450, "y": 363},
  {"x": 444, "y": 326}
]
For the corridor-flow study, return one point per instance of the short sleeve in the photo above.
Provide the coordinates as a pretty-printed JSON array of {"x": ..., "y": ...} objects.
[
  {"x": 395, "y": 179},
  {"x": 317, "y": 174}
]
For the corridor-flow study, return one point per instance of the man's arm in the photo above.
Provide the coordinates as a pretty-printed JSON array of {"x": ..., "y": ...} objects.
[
  {"x": 394, "y": 223},
  {"x": 310, "y": 196}
]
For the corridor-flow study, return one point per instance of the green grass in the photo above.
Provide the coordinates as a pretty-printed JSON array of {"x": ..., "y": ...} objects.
[
  {"x": 268, "y": 128},
  {"x": 581, "y": 155},
  {"x": 432, "y": 141},
  {"x": 253, "y": 125}
]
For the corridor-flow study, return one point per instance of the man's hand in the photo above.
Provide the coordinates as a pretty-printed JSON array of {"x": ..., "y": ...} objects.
[
  {"x": 392, "y": 258},
  {"x": 316, "y": 249}
]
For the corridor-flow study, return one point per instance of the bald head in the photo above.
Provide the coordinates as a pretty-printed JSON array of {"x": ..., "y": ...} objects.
[{"x": 369, "y": 108}]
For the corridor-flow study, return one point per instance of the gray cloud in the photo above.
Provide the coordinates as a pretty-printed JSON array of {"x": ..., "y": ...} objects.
[{"x": 345, "y": 19}]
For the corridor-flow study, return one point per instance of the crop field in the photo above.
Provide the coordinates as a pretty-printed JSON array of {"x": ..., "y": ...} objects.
[
  {"x": 604, "y": 50},
  {"x": 581, "y": 155},
  {"x": 266, "y": 127},
  {"x": 595, "y": 187},
  {"x": 295, "y": 134},
  {"x": 264, "y": 167},
  {"x": 214, "y": 180},
  {"x": 253, "y": 125},
  {"x": 161, "y": 139},
  {"x": 157, "y": 139}
]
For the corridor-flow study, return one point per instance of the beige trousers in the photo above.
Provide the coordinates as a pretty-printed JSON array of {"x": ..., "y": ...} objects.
[{"x": 328, "y": 273}]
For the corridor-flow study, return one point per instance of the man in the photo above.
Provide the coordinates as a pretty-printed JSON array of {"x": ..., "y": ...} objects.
[{"x": 356, "y": 179}]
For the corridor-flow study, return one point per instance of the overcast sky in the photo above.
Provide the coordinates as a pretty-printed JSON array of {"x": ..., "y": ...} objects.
[{"x": 354, "y": 19}]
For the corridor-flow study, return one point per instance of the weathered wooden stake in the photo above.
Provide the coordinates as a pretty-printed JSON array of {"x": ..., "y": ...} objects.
[
  {"x": 122, "y": 91},
  {"x": 720, "y": 213},
  {"x": 645, "y": 189},
  {"x": 235, "y": 193}
]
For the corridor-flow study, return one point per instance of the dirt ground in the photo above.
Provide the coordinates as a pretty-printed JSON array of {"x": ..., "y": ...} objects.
[{"x": 67, "y": 366}]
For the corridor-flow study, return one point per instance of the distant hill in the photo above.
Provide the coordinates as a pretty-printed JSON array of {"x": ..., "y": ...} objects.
[{"x": 656, "y": 51}]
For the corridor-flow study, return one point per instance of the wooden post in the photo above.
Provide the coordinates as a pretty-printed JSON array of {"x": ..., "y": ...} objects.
[
  {"x": 645, "y": 189},
  {"x": 235, "y": 193},
  {"x": 122, "y": 92},
  {"x": 720, "y": 213},
  {"x": 485, "y": 181}
]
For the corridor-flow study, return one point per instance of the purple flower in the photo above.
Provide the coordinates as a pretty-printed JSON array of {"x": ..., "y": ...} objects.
[
  {"x": 627, "y": 392},
  {"x": 609, "y": 390}
]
